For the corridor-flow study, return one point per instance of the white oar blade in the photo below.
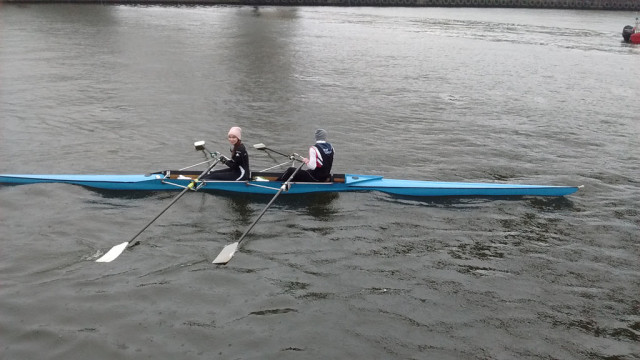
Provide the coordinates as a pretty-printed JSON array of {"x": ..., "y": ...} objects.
[
  {"x": 260, "y": 146},
  {"x": 226, "y": 254},
  {"x": 113, "y": 253}
]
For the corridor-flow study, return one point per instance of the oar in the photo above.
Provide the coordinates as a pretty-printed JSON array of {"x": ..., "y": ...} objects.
[
  {"x": 227, "y": 252},
  {"x": 262, "y": 146},
  {"x": 118, "y": 249}
]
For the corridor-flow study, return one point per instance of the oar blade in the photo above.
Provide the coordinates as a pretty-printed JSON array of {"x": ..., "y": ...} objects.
[
  {"x": 226, "y": 254},
  {"x": 113, "y": 253},
  {"x": 260, "y": 146}
]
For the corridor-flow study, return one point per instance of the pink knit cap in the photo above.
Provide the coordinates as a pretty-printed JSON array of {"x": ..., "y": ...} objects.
[{"x": 236, "y": 131}]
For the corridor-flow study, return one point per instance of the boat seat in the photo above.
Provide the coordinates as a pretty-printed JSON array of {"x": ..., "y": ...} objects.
[
  {"x": 337, "y": 178},
  {"x": 272, "y": 176},
  {"x": 263, "y": 176}
]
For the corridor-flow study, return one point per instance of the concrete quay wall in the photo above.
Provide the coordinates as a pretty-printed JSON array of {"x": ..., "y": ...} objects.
[{"x": 629, "y": 5}]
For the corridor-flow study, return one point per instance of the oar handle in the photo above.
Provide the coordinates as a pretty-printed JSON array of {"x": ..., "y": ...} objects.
[{"x": 295, "y": 156}]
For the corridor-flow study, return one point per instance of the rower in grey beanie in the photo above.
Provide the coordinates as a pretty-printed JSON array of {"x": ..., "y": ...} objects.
[
  {"x": 318, "y": 163},
  {"x": 321, "y": 135}
]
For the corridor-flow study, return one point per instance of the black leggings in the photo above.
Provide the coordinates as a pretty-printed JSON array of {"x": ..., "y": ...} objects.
[
  {"x": 301, "y": 176},
  {"x": 225, "y": 174}
]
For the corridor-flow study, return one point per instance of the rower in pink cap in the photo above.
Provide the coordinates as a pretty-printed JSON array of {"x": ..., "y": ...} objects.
[{"x": 238, "y": 165}]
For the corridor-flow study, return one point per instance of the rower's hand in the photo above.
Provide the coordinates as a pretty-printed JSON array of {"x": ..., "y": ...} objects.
[
  {"x": 223, "y": 159},
  {"x": 305, "y": 160}
]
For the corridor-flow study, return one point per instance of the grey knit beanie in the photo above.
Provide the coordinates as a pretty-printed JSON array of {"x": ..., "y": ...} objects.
[{"x": 321, "y": 134}]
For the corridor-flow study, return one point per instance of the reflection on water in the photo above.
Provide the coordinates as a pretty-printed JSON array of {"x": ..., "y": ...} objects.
[
  {"x": 246, "y": 206},
  {"x": 320, "y": 205},
  {"x": 552, "y": 203},
  {"x": 240, "y": 205},
  {"x": 128, "y": 195}
]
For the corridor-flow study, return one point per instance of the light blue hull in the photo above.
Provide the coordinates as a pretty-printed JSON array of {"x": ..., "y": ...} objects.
[{"x": 158, "y": 182}]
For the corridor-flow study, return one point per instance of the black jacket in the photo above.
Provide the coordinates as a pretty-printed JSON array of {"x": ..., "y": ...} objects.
[
  {"x": 240, "y": 161},
  {"x": 323, "y": 171}
]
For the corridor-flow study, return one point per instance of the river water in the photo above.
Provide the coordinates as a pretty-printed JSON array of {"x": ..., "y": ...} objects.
[{"x": 507, "y": 95}]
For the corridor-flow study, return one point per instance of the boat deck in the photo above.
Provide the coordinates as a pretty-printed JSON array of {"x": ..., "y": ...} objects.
[{"x": 255, "y": 176}]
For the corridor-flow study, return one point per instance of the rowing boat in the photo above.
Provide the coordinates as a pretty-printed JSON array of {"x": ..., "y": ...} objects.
[{"x": 266, "y": 183}]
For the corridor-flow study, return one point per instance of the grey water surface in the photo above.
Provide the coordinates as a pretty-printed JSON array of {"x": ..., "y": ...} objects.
[{"x": 498, "y": 95}]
